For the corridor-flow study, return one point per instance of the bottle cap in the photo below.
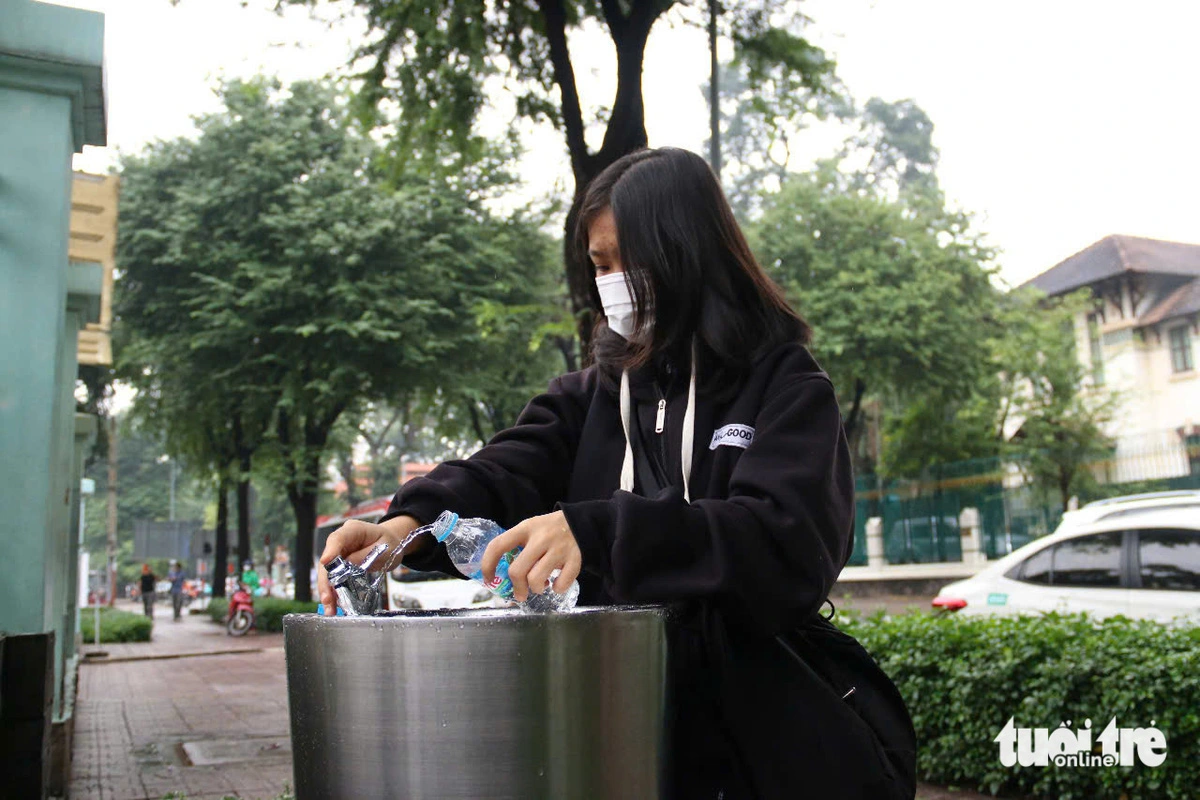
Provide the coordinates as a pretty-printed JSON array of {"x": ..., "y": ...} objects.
[{"x": 444, "y": 524}]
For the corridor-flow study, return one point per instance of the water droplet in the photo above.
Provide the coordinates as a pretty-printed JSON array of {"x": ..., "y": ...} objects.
[
  {"x": 460, "y": 626},
  {"x": 541, "y": 771}
]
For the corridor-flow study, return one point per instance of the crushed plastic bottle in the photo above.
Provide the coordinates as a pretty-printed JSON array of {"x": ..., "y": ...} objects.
[
  {"x": 467, "y": 539},
  {"x": 357, "y": 593}
]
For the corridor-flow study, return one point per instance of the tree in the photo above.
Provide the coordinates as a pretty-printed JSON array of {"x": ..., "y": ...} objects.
[
  {"x": 432, "y": 58},
  {"x": 1062, "y": 415},
  {"x": 277, "y": 268},
  {"x": 143, "y": 480},
  {"x": 896, "y": 309},
  {"x": 759, "y": 119},
  {"x": 897, "y": 141}
]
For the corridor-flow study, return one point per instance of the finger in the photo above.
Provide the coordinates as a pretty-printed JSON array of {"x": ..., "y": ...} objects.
[
  {"x": 325, "y": 592},
  {"x": 349, "y": 538},
  {"x": 518, "y": 570},
  {"x": 514, "y": 537},
  {"x": 570, "y": 572},
  {"x": 539, "y": 576}
]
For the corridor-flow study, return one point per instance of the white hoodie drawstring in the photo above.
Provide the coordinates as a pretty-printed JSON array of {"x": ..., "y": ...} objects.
[{"x": 689, "y": 433}]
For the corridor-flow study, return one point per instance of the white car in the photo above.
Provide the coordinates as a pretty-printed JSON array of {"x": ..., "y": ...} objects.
[
  {"x": 1137, "y": 555},
  {"x": 415, "y": 590}
]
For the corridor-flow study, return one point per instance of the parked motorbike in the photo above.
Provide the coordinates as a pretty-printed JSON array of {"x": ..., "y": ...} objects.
[{"x": 240, "y": 618}]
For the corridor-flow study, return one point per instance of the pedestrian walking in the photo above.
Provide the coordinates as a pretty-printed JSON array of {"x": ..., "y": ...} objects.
[
  {"x": 176, "y": 576},
  {"x": 147, "y": 589},
  {"x": 701, "y": 461}
]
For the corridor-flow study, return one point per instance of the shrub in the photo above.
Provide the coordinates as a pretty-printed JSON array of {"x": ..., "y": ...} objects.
[
  {"x": 964, "y": 677},
  {"x": 217, "y": 607},
  {"x": 268, "y": 611},
  {"x": 115, "y": 626}
]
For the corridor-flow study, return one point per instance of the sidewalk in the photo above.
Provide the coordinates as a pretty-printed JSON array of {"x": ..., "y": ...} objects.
[
  {"x": 179, "y": 715},
  {"x": 195, "y": 634}
]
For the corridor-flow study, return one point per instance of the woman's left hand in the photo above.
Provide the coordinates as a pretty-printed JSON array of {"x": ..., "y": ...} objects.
[{"x": 547, "y": 543}]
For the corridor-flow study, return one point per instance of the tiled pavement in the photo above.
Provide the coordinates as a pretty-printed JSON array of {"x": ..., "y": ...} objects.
[
  {"x": 179, "y": 716},
  {"x": 195, "y": 633},
  {"x": 142, "y": 721}
]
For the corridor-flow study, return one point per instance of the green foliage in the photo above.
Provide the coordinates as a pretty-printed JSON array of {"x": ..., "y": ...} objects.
[
  {"x": 757, "y": 121},
  {"x": 115, "y": 626},
  {"x": 432, "y": 58},
  {"x": 963, "y": 677},
  {"x": 274, "y": 279},
  {"x": 217, "y": 608},
  {"x": 896, "y": 301},
  {"x": 897, "y": 140},
  {"x": 143, "y": 492},
  {"x": 268, "y": 611},
  {"x": 1046, "y": 388}
]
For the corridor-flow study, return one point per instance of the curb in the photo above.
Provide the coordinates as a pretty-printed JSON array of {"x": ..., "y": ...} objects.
[{"x": 169, "y": 656}]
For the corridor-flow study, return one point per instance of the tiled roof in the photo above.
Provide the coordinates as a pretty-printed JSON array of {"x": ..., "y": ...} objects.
[
  {"x": 1184, "y": 300},
  {"x": 1114, "y": 255}
]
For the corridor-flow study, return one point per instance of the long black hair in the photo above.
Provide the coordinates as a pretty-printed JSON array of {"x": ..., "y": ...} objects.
[{"x": 689, "y": 268}]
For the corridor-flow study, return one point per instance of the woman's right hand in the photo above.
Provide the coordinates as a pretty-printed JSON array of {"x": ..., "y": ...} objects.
[{"x": 354, "y": 540}]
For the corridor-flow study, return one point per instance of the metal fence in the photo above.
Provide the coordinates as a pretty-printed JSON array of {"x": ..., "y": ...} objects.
[{"x": 920, "y": 517}]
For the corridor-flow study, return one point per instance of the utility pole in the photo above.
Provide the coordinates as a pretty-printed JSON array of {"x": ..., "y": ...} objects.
[
  {"x": 172, "y": 507},
  {"x": 714, "y": 94},
  {"x": 111, "y": 550}
]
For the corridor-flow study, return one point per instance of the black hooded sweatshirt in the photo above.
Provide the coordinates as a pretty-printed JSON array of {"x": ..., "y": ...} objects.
[{"x": 751, "y": 558}]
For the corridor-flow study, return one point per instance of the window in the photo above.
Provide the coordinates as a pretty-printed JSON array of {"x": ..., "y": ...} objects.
[
  {"x": 1037, "y": 567},
  {"x": 1093, "y": 561},
  {"x": 1181, "y": 349},
  {"x": 1094, "y": 348},
  {"x": 1085, "y": 561},
  {"x": 1170, "y": 559}
]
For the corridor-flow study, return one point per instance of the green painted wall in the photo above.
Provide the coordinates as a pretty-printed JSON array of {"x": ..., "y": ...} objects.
[
  {"x": 35, "y": 157},
  {"x": 51, "y": 104}
]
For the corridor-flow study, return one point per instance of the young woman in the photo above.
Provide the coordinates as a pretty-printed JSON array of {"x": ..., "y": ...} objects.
[{"x": 700, "y": 461}]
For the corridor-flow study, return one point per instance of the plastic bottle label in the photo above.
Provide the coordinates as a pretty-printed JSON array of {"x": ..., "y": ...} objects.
[{"x": 501, "y": 585}]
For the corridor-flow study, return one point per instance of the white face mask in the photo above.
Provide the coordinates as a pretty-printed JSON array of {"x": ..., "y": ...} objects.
[{"x": 617, "y": 302}]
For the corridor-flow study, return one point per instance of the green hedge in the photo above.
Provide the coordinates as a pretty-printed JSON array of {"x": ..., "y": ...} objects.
[
  {"x": 115, "y": 626},
  {"x": 217, "y": 607},
  {"x": 268, "y": 611},
  {"x": 964, "y": 677}
]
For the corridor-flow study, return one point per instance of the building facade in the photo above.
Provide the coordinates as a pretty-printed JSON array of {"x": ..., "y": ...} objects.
[{"x": 1139, "y": 340}]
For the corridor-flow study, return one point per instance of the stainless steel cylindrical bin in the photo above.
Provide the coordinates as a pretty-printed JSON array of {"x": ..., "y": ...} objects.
[{"x": 484, "y": 703}]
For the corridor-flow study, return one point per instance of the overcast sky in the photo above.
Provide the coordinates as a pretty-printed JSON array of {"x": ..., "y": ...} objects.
[{"x": 1058, "y": 122}]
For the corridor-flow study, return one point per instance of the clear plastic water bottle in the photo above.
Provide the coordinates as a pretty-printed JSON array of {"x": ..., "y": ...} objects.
[{"x": 466, "y": 539}]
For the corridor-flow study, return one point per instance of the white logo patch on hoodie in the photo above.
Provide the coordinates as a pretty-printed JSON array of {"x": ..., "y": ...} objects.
[{"x": 733, "y": 435}]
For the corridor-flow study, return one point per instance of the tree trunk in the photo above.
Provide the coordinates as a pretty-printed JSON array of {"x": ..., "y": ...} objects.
[
  {"x": 221, "y": 557},
  {"x": 852, "y": 421},
  {"x": 304, "y": 507},
  {"x": 626, "y": 131},
  {"x": 110, "y": 556},
  {"x": 346, "y": 467},
  {"x": 243, "y": 511}
]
